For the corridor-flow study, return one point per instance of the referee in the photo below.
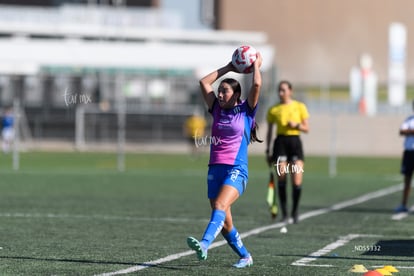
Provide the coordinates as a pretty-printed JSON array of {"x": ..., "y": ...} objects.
[{"x": 291, "y": 118}]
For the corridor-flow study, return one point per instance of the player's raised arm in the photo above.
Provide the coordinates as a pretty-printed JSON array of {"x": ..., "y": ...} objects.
[
  {"x": 253, "y": 97},
  {"x": 406, "y": 132},
  {"x": 206, "y": 83}
]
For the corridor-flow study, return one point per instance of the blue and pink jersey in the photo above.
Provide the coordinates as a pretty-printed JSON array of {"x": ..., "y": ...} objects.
[{"x": 231, "y": 133}]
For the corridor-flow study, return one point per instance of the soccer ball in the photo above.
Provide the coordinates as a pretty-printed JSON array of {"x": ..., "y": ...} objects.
[{"x": 243, "y": 58}]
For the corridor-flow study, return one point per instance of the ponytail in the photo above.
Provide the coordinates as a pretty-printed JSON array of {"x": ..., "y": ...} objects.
[{"x": 253, "y": 134}]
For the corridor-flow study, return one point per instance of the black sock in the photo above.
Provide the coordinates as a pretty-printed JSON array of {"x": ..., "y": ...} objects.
[
  {"x": 282, "y": 196},
  {"x": 296, "y": 197}
]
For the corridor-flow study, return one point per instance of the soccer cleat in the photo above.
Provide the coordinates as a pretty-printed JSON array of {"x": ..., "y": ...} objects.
[
  {"x": 195, "y": 245},
  {"x": 244, "y": 262},
  {"x": 401, "y": 209}
]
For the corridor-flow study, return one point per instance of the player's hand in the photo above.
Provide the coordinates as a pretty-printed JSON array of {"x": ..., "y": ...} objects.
[
  {"x": 292, "y": 125},
  {"x": 259, "y": 60}
]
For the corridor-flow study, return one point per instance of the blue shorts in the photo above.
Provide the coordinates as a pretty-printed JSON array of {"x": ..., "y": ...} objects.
[{"x": 219, "y": 175}]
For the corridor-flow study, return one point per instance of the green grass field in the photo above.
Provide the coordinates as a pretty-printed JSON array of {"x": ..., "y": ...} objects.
[{"x": 75, "y": 214}]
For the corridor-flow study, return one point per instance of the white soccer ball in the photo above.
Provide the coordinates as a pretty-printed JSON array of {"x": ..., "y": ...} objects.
[{"x": 243, "y": 58}]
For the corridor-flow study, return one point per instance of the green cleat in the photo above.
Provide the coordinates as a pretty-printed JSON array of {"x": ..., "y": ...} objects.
[{"x": 195, "y": 245}]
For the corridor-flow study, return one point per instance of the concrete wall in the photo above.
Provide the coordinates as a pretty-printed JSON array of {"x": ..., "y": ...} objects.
[{"x": 353, "y": 135}]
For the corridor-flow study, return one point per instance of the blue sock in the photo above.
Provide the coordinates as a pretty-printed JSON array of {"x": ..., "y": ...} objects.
[
  {"x": 235, "y": 242},
  {"x": 213, "y": 228}
]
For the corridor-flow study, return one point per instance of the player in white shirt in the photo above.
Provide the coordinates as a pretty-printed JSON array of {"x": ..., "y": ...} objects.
[{"x": 407, "y": 164}]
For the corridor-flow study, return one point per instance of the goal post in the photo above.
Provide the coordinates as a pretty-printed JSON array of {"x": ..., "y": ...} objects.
[
  {"x": 121, "y": 115},
  {"x": 16, "y": 134}
]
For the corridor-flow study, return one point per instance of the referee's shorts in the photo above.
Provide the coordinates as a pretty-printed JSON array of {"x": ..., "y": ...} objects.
[
  {"x": 407, "y": 164},
  {"x": 287, "y": 148}
]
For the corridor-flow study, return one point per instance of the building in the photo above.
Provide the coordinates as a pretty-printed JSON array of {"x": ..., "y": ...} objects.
[
  {"x": 319, "y": 41},
  {"x": 76, "y": 69}
]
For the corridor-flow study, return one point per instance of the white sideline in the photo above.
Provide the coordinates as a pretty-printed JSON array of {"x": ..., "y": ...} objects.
[
  {"x": 338, "y": 206},
  {"x": 329, "y": 248}
]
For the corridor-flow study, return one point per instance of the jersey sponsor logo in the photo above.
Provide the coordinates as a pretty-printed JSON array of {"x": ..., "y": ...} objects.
[{"x": 236, "y": 110}]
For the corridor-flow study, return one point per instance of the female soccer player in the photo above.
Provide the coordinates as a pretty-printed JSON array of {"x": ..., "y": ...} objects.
[
  {"x": 291, "y": 118},
  {"x": 234, "y": 125}
]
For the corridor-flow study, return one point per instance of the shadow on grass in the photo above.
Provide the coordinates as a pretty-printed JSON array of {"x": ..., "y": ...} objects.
[
  {"x": 400, "y": 248},
  {"x": 71, "y": 260},
  {"x": 384, "y": 250},
  {"x": 161, "y": 266},
  {"x": 359, "y": 258}
]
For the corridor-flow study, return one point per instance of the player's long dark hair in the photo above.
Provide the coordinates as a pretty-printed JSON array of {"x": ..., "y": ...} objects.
[
  {"x": 235, "y": 85},
  {"x": 253, "y": 134}
]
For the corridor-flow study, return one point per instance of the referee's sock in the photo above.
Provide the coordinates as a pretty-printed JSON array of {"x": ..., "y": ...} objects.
[
  {"x": 297, "y": 190},
  {"x": 282, "y": 197}
]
